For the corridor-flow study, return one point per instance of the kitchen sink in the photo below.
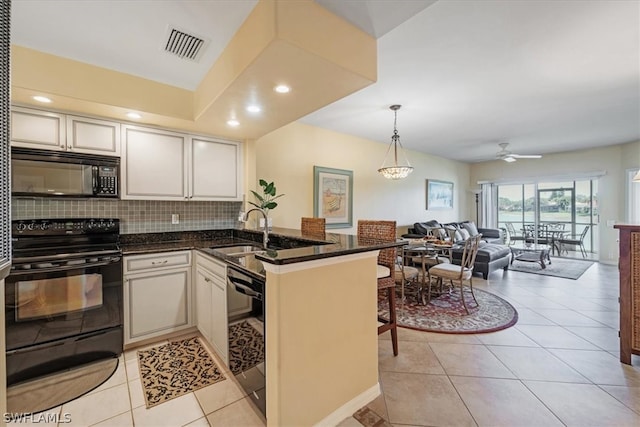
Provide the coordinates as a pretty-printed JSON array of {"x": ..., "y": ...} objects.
[{"x": 239, "y": 250}]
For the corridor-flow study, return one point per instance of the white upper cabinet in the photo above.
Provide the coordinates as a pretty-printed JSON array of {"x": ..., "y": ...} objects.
[
  {"x": 37, "y": 129},
  {"x": 60, "y": 132},
  {"x": 154, "y": 164},
  {"x": 85, "y": 135},
  {"x": 164, "y": 165},
  {"x": 214, "y": 173}
]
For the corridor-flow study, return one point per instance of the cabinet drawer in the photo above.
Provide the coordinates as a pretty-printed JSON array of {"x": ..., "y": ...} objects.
[
  {"x": 216, "y": 267},
  {"x": 156, "y": 261}
]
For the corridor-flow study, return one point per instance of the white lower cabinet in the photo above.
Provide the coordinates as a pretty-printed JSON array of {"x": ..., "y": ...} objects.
[
  {"x": 157, "y": 295},
  {"x": 211, "y": 303}
]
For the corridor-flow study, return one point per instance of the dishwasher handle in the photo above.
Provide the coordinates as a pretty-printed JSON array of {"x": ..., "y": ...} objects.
[{"x": 241, "y": 286}]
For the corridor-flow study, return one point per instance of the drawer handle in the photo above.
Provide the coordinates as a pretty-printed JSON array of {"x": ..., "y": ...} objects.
[
  {"x": 206, "y": 279},
  {"x": 160, "y": 262}
]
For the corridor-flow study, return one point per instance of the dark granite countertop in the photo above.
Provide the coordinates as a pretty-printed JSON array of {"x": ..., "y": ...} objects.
[{"x": 286, "y": 246}]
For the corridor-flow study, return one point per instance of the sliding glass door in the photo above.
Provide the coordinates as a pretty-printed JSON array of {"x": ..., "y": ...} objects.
[{"x": 570, "y": 206}]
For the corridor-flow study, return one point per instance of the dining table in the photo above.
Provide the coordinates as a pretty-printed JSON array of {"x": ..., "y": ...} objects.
[{"x": 425, "y": 253}]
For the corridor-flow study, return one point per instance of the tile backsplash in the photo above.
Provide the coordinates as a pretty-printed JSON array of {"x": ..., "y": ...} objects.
[{"x": 136, "y": 216}]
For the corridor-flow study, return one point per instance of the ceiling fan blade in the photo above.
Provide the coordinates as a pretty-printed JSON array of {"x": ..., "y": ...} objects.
[{"x": 526, "y": 156}]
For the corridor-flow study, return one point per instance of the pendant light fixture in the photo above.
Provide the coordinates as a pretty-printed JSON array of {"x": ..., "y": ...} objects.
[{"x": 395, "y": 171}]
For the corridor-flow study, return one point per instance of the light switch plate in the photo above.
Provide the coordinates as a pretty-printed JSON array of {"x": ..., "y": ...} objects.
[{"x": 175, "y": 219}]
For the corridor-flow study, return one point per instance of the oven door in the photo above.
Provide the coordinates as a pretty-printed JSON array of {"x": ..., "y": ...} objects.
[
  {"x": 48, "y": 299},
  {"x": 61, "y": 313}
]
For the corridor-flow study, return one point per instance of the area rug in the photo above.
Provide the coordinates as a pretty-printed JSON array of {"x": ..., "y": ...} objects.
[
  {"x": 174, "y": 369},
  {"x": 446, "y": 313},
  {"x": 559, "y": 267},
  {"x": 246, "y": 347}
]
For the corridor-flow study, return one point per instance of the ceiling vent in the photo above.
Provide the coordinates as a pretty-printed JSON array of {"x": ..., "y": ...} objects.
[{"x": 185, "y": 45}]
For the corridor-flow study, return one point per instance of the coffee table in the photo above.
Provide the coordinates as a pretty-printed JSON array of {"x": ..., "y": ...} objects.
[{"x": 531, "y": 253}]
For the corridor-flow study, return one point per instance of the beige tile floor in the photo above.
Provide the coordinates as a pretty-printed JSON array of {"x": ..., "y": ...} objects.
[
  {"x": 557, "y": 366},
  {"x": 119, "y": 402}
]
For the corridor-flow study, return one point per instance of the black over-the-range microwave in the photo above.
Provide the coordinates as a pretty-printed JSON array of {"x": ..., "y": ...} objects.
[{"x": 44, "y": 173}]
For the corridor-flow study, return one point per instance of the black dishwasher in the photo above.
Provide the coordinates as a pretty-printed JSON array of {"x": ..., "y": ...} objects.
[{"x": 247, "y": 335}]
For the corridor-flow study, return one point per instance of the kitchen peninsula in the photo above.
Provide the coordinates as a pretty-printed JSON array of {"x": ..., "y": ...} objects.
[{"x": 321, "y": 313}]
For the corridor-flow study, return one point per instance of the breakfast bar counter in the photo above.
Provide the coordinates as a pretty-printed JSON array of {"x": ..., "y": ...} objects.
[{"x": 320, "y": 321}]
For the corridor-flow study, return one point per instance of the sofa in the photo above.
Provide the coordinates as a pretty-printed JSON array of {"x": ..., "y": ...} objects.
[
  {"x": 421, "y": 229},
  {"x": 492, "y": 254}
]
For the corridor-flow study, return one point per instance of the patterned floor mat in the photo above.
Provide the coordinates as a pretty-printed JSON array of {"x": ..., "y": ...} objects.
[{"x": 174, "y": 369}]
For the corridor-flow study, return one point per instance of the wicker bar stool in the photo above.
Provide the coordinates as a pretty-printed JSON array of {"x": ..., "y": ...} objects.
[
  {"x": 384, "y": 231},
  {"x": 313, "y": 227}
]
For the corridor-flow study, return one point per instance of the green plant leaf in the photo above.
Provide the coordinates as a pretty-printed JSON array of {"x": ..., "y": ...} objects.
[
  {"x": 258, "y": 196},
  {"x": 270, "y": 189},
  {"x": 263, "y": 183},
  {"x": 270, "y": 205},
  {"x": 257, "y": 206}
]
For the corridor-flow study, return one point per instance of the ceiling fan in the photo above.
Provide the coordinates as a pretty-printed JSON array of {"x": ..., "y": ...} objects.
[{"x": 508, "y": 156}]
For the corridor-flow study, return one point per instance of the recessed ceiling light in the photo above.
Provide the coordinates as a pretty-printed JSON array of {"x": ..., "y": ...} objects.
[
  {"x": 282, "y": 89},
  {"x": 233, "y": 123},
  {"x": 253, "y": 109},
  {"x": 134, "y": 116},
  {"x": 42, "y": 99}
]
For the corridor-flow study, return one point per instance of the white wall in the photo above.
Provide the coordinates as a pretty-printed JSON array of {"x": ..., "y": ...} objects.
[
  {"x": 287, "y": 156},
  {"x": 611, "y": 192}
]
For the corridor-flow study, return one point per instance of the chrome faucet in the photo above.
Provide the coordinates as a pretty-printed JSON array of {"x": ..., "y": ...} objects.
[{"x": 265, "y": 232}]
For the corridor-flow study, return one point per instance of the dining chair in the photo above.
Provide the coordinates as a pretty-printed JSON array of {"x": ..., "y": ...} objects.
[
  {"x": 576, "y": 240},
  {"x": 384, "y": 231},
  {"x": 459, "y": 274},
  {"x": 313, "y": 227},
  {"x": 405, "y": 275}
]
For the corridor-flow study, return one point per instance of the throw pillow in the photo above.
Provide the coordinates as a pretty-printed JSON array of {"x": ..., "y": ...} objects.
[
  {"x": 464, "y": 233},
  {"x": 420, "y": 228},
  {"x": 470, "y": 227}
]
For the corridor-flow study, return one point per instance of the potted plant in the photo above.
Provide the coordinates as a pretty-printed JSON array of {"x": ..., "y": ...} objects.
[{"x": 266, "y": 200}]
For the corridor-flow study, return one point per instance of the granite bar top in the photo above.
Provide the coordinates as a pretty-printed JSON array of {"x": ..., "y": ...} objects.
[{"x": 286, "y": 246}]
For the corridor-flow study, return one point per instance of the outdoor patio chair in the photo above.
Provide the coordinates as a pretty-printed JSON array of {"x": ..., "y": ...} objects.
[
  {"x": 575, "y": 240},
  {"x": 513, "y": 235}
]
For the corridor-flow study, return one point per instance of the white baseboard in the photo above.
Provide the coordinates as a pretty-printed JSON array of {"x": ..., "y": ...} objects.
[{"x": 349, "y": 408}]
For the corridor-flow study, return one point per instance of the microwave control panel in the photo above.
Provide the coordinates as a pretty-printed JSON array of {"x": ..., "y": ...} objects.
[{"x": 107, "y": 180}]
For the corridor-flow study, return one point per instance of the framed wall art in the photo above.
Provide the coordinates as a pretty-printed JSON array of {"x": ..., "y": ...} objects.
[
  {"x": 333, "y": 196},
  {"x": 439, "y": 194}
]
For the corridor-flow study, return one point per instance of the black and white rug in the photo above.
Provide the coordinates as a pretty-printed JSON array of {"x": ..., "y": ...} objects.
[
  {"x": 174, "y": 369},
  {"x": 560, "y": 267}
]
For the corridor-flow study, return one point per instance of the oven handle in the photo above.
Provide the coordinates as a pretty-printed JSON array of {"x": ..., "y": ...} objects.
[
  {"x": 243, "y": 289},
  {"x": 19, "y": 272},
  {"x": 44, "y": 258}
]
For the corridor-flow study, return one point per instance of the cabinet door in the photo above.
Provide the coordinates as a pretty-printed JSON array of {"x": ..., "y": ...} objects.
[
  {"x": 37, "y": 129},
  {"x": 203, "y": 302},
  {"x": 219, "y": 322},
  {"x": 154, "y": 164},
  {"x": 93, "y": 136},
  {"x": 215, "y": 170},
  {"x": 156, "y": 303}
]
